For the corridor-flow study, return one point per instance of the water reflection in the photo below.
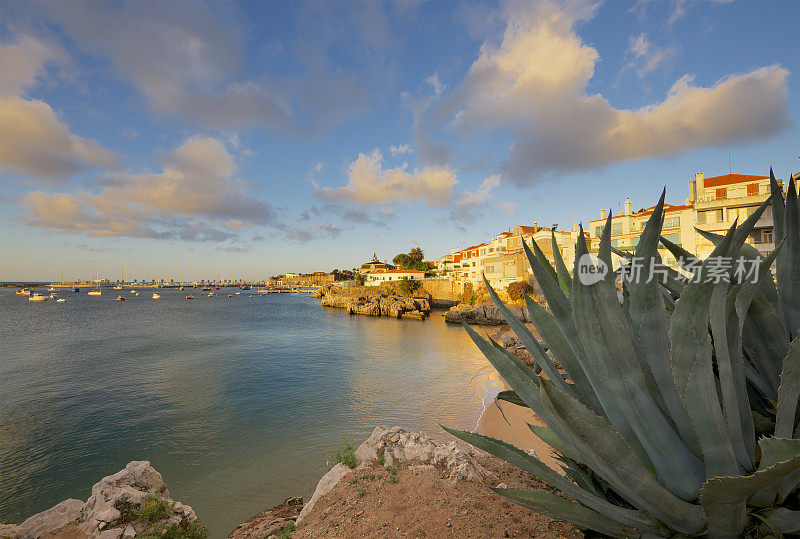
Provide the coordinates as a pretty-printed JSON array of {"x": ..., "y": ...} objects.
[{"x": 234, "y": 400}]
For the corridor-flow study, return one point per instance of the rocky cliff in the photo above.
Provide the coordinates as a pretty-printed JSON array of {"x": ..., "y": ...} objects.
[
  {"x": 482, "y": 315},
  {"x": 132, "y": 502},
  {"x": 361, "y": 301}
]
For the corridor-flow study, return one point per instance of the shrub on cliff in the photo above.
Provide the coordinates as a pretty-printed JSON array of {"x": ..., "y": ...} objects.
[
  {"x": 676, "y": 413},
  {"x": 345, "y": 453},
  {"x": 517, "y": 290},
  {"x": 407, "y": 286}
]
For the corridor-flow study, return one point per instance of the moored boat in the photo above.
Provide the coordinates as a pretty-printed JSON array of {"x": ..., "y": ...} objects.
[
  {"x": 23, "y": 292},
  {"x": 156, "y": 296},
  {"x": 37, "y": 297},
  {"x": 61, "y": 300},
  {"x": 190, "y": 296},
  {"x": 120, "y": 298}
]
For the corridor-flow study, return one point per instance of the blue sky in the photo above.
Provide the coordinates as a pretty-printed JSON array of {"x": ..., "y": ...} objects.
[{"x": 250, "y": 139}]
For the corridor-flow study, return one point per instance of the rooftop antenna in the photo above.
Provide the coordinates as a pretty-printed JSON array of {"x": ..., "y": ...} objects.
[{"x": 730, "y": 170}]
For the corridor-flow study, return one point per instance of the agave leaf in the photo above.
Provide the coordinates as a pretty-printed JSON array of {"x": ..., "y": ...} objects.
[
  {"x": 788, "y": 283},
  {"x": 607, "y": 454},
  {"x": 564, "y": 278},
  {"x": 693, "y": 374},
  {"x": 604, "y": 251},
  {"x": 516, "y": 373},
  {"x": 599, "y": 319},
  {"x": 560, "y": 508},
  {"x": 720, "y": 494},
  {"x": 549, "y": 437},
  {"x": 773, "y": 451},
  {"x": 512, "y": 397},
  {"x": 542, "y": 258},
  {"x": 685, "y": 259},
  {"x": 530, "y": 342},
  {"x": 538, "y": 469},
  {"x": 576, "y": 366},
  {"x": 726, "y": 331},
  {"x": 556, "y": 300},
  {"x": 785, "y": 520},
  {"x": 651, "y": 325},
  {"x": 764, "y": 339},
  {"x": 788, "y": 392}
]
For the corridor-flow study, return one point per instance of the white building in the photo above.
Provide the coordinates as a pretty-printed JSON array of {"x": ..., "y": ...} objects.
[{"x": 375, "y": 278}]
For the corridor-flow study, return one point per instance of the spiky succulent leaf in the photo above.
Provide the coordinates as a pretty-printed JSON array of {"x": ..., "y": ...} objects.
[
  {"x": 788, "y": 393},
  {"x": 564, "y": 278},
  {"x": 535, "y": 467}
]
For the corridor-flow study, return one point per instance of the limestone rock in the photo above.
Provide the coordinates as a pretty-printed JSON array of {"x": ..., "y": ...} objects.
[
  {"x": 325, "y": 485},
  {"x": 270, "y": 523},
  {"x": 8, "y": 531},
  {"x": 50, "y": 520},
  {"x": 102, "y": 516},
  {"x": 398, "y": 446},
  {"x": 483, "y": 315}
]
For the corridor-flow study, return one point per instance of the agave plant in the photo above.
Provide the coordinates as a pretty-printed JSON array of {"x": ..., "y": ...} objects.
[{"x": 675, "y": 411}]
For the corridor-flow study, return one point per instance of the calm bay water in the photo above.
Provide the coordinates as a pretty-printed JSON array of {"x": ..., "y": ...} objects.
[{"x": 234, "y": 400}]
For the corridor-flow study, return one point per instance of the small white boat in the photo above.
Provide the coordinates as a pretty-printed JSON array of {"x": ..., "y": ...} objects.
[
  {"x": 237, "y": 293},
  {"x": 156, "y": 296},
  {"x": 211, "y": 294},
  {"x": 230, "y": 295},
  {"x": 94, "y": 292},
  {"x": 117, "y": 287},
  {"x": 23, "y": 292},
  {"x": 120, "y": 298},
  {"x": 61, "y": 300},
  {"x": 189, "y": 297},
  {"x": 51, "y": 289},
  {"x": 37, "y": 297},
  {"x": 52, "y": 296},
  {"x": 134, "y": 292}
]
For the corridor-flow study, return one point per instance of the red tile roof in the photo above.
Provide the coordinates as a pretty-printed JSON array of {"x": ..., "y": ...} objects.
[
  {"x": 528, "y": 229},
  {"x": 397, "y": 271},
  {"x": 667, "y": 208},
  {"x": 728, "y": 179}
]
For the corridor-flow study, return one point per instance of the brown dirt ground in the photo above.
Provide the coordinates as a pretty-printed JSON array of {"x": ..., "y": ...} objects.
[{"x": 424, "y": 503}]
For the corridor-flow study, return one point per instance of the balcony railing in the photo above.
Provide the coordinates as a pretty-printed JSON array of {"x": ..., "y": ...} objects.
[{"x": 710, "y": 202}]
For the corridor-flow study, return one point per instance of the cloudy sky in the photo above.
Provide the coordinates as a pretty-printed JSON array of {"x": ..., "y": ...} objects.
[{"x": 252, "y": 139}]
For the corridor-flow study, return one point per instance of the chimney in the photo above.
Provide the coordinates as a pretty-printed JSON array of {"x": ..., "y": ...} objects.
[
  {"x": 692, "y": 192},
  {"x": 535, "y": 226},
  {"x": 698, "y": 179},
  {"x": 628, "y": 207},
  {"x": 603, "y": 213}
]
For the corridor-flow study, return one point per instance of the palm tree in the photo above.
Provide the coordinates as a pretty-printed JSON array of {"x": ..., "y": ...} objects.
[{"x": 416, "y": 254}]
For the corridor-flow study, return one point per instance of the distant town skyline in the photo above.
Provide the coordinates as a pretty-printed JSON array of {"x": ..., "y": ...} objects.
[{"x": 253, "y": 139}]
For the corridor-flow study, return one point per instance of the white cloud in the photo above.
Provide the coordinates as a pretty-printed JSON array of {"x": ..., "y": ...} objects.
[
  {"x": 470, "y": 205},
  {"x": 436, "y": 84},
  {"x": 370, "y": 183},
  {"x": 195, "y": 197},
  {"x": 22, "y": 62},
  {"x": 35, "y": 142},
  {"x": 401, "y": 149},
  {"x": 533, "y": 85},
  {"x": 645, "y": 56}
]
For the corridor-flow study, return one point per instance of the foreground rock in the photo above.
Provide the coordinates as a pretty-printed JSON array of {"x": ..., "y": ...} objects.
[
  {"x": 417, "y": 498},
  {"x": 482, "y": 315},
  {"x": 114, "y": 510},
  {"x": 270, "y": 522},
  {"x": 360, "y": 301}
]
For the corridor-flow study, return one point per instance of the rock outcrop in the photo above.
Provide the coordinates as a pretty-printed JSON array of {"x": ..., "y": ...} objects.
[
  {"x": 271, "y": 522},
  {"x": 397, "y": 446},
  {"x": 360, "y": 302},
  {"x": 109, "y": 513},
  {"x": 483, "y": 315}
]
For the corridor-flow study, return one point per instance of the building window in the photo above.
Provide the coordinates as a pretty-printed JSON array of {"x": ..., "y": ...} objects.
[
  {"x": 672, "y": 222},
  {"x": 701, "y": 218},
  {"x": 752, "y": 189},
  {"x": 634, "y": 242},
  {"x": 674, "y": 238},
  {"x": 616, "y": 229},
  {"x": 720, "y": 215},
  {"x": 722, "y": 192},
  {"x": 598, "y": 231},
  {"x": 615, "y": 243},
  {"x": 766, "y": 236}
]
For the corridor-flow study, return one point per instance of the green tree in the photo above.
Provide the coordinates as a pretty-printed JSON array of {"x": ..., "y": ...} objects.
[
  {"x": 416, "y": 254},
  {"x": 403, "y": 261},
  {"x": 408, "y": 286},
  {"x": 360, "y": 278}
]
